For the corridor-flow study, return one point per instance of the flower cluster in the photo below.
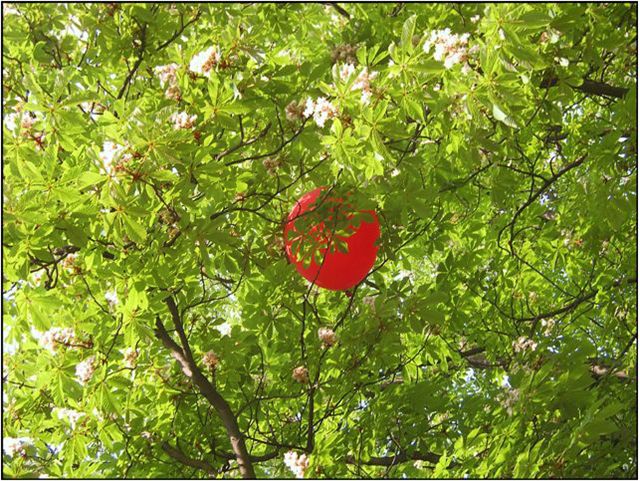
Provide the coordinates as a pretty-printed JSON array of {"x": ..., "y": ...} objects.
[
  {"x": 327, "y": 336},
  {"x": 449, "y": 48},
  {"x": 272, "y": 164},
  {"x": 548, "y": 325},
  {"x": 523, "y": 343},
  {"x": 130, "y": 357},
  {"x": 301, "y": 375},
  {"x": 344, "y": 53},
  {"x": 204, "y": 61},
  {"x": 57, "y": 336},
  {"x": 182, "y": 120},
  {"x": 211, "y": 360},
  {"x": 168, "y": 78},
  {"x": 297, "y": 463},
  {"x": 70, "y": 415},
  {"x": 113, "y": 157},
  {"x": 85, "y": 370},
  {"x": 362, "y": 81},
  {"x": 510, "y": 399},
  {"x": 13, "y": 446},
  {"x": 321, "y": 110},
  {"x": 111, "y": 297},
  {"x": 294, "y": 110}
]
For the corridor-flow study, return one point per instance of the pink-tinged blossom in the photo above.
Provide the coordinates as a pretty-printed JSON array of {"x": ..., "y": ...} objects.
[
  {"x": 204, "y": 61},
  {"x": 130, "y": 357},
  {"x": 321, "y": 110},
  {"x": 57, "y": 336},
  {"x": 449, "y": 48},
  {"x": 13, "y": 446},
  {"x": 301, "y": 375},
  {"x": 85, "y": 370},
  {"x": 327, "y": 336},
  {"x": 182, "y": 120},
  {"x": 210, "y": 360}
]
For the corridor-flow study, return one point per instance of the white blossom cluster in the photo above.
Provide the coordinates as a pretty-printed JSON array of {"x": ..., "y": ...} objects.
[
  {"x": 523, "y": 343},
  {"x": 111, "y": 297},
  {"x": 301, "y": 375},
  {"x": 70, "y": 415},
  {"x": 297, "y": 463},
  {"x": 327, "y": 336},
  {"x": 57, "y": 336},
  {"x": 272, "y": 164},
  {"x": 130, "y": 357},
  {"x": 85, "y": 370},
  {"x": 204, "y": 61},
  {"x": 294, "y": 110},
  {"x": 362, "y": 81},
  {"x": 13, "y": 446},
  {"x": 183, "y": 120},
  {"x": 548, "y": 325},
  {"x": 168, "y": 78},
  {"x": 210, "y": 360},
  {"x": 321, "y": 110},
  {"x": 113, "y": 157},
  {"x": 510, "y": 399},
  {"x": 450, "y": 48}
]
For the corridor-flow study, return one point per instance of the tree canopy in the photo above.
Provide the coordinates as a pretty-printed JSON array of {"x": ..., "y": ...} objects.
[{"x": 153, "y": 325}]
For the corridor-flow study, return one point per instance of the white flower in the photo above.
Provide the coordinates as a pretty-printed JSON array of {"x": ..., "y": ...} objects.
[
  {"x": 58, "y": 336},
  {"x": 564, "y": 62},
  {"x": 10, "y": 120},
  {"x": 301, "y": 375},
  {"x": 297, "y": 463},
  {"x": 310, "y": 107},
  {"x": 204, "y": 61},
  {"x": 475, "y": 19},
  {"x": 346, "y": 71},
  {"x": 110, "y": 152},
  {"x": 167, "y": 73},
  {"x": 11, "y": 446},
  {"x": 211, "y": 360},
  {"x": 130, "y": 357},
  {"x": 327, "y": 336},
  {"x": 69, "y": 415},
  {"x": 85, "y": 370},
  {"x": 447, "y": 47},
  {"x": 324, "y": 110},
  {"x": 111, "y": 297},
  {"x": 523, "y": 343},
  {"x": 182, "y": 120}
]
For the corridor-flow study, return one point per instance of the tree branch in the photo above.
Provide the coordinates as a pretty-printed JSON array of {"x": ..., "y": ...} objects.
[
  {"x": 187, "y": 461},
  {"x": 590, "y": 87},
  {"x": 397, "y": 459},
  {"x": 185, "y": 358}
]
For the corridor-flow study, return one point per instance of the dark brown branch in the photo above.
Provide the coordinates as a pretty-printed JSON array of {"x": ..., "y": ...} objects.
[
  {"x": 178, "y": 32},
  {"x": 136, "y": 65},
  {"x": 187, "y": 461},
  {"x": 590, "y": 87},
  {"x": 338, "y": 9},
  {"x": 242, "y": 144},
  {"x": 185, "y": 359},
  {"x": 572, "y": 305},
  {"x": 393, "y": 460}
]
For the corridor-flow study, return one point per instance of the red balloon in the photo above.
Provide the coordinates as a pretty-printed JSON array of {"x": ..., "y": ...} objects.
[{"x": 337, "y": 271}]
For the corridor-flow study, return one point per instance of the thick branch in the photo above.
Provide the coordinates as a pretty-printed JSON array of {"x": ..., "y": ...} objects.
[
  {"x": 134, "y": 69},
  {"x": 393, "y": 460},
  {"x": 185, "y": 359},
  {"x": 591, "y": 87},
  {"x": 187, "y": 461}
]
